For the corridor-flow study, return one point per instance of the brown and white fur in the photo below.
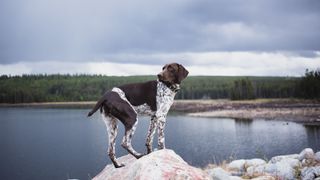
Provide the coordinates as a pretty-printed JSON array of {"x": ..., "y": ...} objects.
[{"x": 152, "y": 98}]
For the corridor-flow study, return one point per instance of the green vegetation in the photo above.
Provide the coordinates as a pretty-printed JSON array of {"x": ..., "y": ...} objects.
[
  {"x": 242, "y": 89},
  {"x": 50, "y": 88},
  {"x": 309, "y": 85}
]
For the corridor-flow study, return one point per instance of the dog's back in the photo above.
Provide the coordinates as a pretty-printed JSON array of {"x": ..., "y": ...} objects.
[
  {"x": 136, "y": 93},
  {"x": 141, "y": 93}
]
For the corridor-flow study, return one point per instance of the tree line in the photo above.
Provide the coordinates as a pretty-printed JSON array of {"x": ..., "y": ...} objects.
[{"x": 55, "y": 88}]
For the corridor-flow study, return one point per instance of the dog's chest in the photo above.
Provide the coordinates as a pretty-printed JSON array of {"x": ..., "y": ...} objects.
[{"x": 164, "y": 98}]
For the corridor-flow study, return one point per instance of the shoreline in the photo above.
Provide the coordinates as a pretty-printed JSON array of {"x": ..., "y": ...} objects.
[{"x": 298, "y": 110}]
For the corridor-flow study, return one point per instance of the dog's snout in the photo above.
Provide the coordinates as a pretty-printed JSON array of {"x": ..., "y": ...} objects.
[{"x": 159, "y": 75}]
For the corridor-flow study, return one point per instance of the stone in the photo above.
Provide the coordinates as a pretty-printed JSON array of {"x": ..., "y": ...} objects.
[
  {"x": 317, "y": 156},
  {"x": 279, "y": 158},
  {"x": 271, "y": 168},
  {"x": 306, "y": 154},
  {"x": 308, "y": 173},
  {"x": 284, "y": 170},
  {"x": 255, "y": 171},
  {"x": 293, "y": 163},
  {"x": 219, "y": 174},
  {"x": 237, "y": 165},
  {"x": 162, "y": 164},
  {"x": 265, "y": 177},
  {"x": 235, "y": 178},
  {"x": 254, "y": 162}
]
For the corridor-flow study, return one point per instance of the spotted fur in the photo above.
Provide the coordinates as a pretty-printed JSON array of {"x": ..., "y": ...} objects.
[
  {"x": 164, "y": 98},
  {"x": 124, "y": 103}
]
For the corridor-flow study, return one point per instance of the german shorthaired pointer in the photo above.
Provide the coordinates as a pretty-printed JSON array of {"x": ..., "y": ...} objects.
[{"x": 153, "y": 98}]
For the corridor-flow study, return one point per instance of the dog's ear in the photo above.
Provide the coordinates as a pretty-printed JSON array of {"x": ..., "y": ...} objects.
[{"x": 182, "y": 73}]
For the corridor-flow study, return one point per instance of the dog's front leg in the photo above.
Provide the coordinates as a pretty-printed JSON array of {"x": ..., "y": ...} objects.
[
  {"x": 150, "y": 135},
  {"x": 161, "y": 139}
]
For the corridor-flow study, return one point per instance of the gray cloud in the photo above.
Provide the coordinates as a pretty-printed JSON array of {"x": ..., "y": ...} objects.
[{"x": 98, "y": 30}]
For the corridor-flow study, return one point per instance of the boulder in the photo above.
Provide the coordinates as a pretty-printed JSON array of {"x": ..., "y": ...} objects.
[
  {"x": 285, "y": 168},
  {"x": 218, "y": 174},
  {"x": 254, "y": 171},
  {"x": 293, "y": 163},
  {"x": 317, "y": 156},
  {"x": 254, "y": 162},
  {"x": 306, "y": 154},
  {"x": 162, "y": 164},
  {"x": 237, "y": 165},
  {"x": 310, "y": 173},
  {"x": 266, "y": 177},
  {"x": 279, "y": 158}
]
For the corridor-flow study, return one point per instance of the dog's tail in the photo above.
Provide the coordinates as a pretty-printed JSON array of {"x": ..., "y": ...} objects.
[{"x": 97, "y": 106}]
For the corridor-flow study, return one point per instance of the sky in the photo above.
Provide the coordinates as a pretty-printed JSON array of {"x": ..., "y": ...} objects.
[{"x": 125, "y": 37}]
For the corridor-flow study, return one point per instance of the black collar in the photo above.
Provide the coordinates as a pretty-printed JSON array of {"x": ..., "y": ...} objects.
[{"x": 173, "y": 87}]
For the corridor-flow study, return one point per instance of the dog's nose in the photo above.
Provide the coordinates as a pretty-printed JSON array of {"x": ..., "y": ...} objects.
[{"x": 159, "y": 76}]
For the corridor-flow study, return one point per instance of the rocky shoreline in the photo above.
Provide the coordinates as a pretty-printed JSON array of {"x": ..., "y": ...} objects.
[
  {"x": 297, "y": 110},
  {"x": 305, "y": 166},
  {"x": 166, "y": 164}
]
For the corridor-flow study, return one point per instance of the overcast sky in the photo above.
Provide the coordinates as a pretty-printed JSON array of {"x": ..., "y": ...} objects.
[{"x": 118, "y": 37}]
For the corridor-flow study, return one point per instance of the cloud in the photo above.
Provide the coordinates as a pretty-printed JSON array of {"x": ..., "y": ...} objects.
[
  {"x": 82, "y": 31},
  {"x": 202, "y": 63}
]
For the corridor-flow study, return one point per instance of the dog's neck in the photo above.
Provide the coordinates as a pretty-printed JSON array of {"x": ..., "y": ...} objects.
[{"x": 173, "y": 87}]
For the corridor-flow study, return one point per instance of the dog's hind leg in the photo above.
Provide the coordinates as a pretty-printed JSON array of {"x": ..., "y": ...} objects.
[
  {"x": 150, "y": 135},
  {"x": 112, "y": 127},
  {"x": 126, "y": 142}
]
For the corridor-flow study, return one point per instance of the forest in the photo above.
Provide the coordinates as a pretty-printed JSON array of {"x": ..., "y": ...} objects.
[{"x": 58, "y": 88}]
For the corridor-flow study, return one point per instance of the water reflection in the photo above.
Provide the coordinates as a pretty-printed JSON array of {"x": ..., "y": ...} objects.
[{"x": 313, "y": 134}]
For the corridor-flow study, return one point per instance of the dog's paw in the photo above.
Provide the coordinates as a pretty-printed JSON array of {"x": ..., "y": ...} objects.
[
  {"x": 119, "y": 165},
  {"x": 138, "y": 156}
]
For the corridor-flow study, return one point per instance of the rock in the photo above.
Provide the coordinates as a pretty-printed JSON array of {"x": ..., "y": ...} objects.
[
  {"x": 279, "y": 158},
  {"x": 254, "y": 162},
  {"x": 317, "y": 156},
  {"x": 270, "y": 168},
  {"x": 306, "y": 154},
  {"x": 162, "y": 164},
  {"x": 237, "y": 165},
  {"x": 254, "y": 171},
  {"x": 293, "y": 163},
  {"x": 219, "y": 174},
  {"x": 308, "y": 173},
  {"x": 264, "y": 178},
  {"x": 284, "y": 170},
  {"x": 235, "y": 178}
]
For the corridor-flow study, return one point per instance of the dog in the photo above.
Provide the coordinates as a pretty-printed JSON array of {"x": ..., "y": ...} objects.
[{"x": 153, "y": 98}]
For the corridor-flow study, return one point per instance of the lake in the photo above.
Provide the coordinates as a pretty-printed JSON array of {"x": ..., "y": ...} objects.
[{"x": 64, "y": 143}]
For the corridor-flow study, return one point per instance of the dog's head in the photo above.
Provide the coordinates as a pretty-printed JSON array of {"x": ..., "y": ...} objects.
[{"x": 173, "y": 73}]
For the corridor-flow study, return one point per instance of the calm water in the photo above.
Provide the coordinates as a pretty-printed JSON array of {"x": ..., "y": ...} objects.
[{"x": 63, "y": 143}]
